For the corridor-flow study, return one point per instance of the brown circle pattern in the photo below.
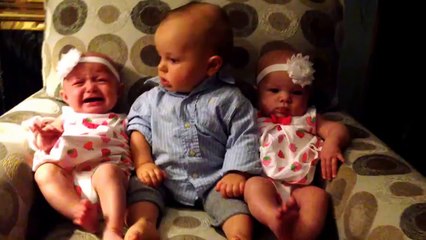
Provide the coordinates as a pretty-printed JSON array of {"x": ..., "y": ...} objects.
[
  {"x": 359, "y": 215},
  {"x": 69, "y": 16},
  {"x": 111, "y": 45},
  {"x": 405, "y": 189},
  {"x": 139, "y": 59},
  {"x": 338, "y": 188},
  {"x": 279, "y": 21},
  {"x": 63, "y": 46},
  {"x": 318, "y": 28},
  {"x": 386, "y": 233},
  {"x": 150, "y": 56},
  {"x": 379, "y": 164},
  {"x": 10, "y": 203},
  {"x": 413, "y": 221},
  {"x": 243, "y": 18},
  {"x": 146, "y": 15},
  {"x": 186, "y": 222},
  {"x": 341, "y": 188},
  {"x": 108, "y": 14}
]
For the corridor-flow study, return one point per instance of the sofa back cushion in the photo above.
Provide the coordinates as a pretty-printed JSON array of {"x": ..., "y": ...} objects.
[{"x": 124, "y": 30}]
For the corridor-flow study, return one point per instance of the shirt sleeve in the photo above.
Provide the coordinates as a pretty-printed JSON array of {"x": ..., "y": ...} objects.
[
  {"x": 242, "y": 152},
  {"x": 139, "y": 117}
]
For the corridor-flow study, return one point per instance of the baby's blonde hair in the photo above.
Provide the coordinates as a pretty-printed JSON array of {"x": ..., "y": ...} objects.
[{"x": 217, "y": 31}]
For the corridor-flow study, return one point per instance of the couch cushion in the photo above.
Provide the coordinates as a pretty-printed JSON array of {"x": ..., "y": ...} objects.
[{"x": 124, "y": 30}]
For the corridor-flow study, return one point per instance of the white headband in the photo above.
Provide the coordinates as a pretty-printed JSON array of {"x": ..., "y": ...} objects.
[
  {"x": 70, "y": 59},
  {"x": 299, "y": 69}
]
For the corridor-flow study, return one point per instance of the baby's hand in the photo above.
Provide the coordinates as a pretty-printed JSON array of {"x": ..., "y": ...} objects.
[
  {"x": 330, "y": 155},
  {"x": 46, "y": 135},
  {"x": 150, "y": 174},
  {"x": 231, "y": 185}
]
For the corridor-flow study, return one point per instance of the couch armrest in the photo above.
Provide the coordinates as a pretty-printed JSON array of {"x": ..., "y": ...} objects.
[
  {"x": 16, "y": 177},
  {"x": 16, "y": 181},
  {"x": 376, "y": 194}
]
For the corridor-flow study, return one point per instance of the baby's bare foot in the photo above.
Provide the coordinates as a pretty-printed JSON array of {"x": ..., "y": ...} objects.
[
  {"x": 86, "y": 216},
  {"x": 290, "y": 205},
  {"x": 142, "y": 230},
  {"x": 285, "y": 219}
]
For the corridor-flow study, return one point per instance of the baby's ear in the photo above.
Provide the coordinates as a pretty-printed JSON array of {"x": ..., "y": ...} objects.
[
  {"x": 214, "y": 65},
  {"x": 63, "y": 95}
]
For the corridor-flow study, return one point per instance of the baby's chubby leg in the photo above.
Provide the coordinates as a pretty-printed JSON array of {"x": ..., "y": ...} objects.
[
  {"x": 238, "y": 227},
  {"x": 231, "y": 214},
  {"x": 313, "y": 207},
  {"x": 143, "y": 218},
  {"x": 57, "y": 186},
  {"x": 110, "y": 182},
  {"x": 145, "y": 205},
  {"x": 266, "y": 206}
]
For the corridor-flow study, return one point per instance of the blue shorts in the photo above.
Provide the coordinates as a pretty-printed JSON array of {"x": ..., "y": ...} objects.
[
  {"x": 217, "y": 207},
  {"x": 139, "y": 192},
  {"x": 220, "y": 209}
]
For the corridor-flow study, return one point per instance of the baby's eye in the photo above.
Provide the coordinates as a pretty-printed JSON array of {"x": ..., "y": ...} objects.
[
  {"x": 78, "y": 83},
  {"x": 273, "y": 90},
  {"x": 173, "y": 60},
  {"x": 297, "y": 92}
]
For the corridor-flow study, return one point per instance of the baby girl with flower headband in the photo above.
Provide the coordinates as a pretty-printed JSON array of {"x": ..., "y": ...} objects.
[
  {"x": 84, "y": 153},
  {"x": 293, "y": 138}
]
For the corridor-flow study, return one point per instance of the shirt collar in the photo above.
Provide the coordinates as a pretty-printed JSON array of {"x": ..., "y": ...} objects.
[{"x": 220, "y": 77}]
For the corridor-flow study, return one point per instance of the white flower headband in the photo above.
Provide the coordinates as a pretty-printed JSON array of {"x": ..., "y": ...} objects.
[
  {"x": 299, "y": 69},
  {"x": 70, "y": 59}
]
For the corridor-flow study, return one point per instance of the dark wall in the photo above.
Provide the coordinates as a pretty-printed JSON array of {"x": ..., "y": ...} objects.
[
  {"x": 395, "y": 99},
  {"x": 20, "y": 57}
]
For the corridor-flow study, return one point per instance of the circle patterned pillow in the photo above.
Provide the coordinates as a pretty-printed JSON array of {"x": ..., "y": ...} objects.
[{"x": 124, "y": 31}]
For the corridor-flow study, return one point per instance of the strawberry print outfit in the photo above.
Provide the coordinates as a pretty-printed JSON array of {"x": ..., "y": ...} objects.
[
  {"x": 289, "y": 150},
  {"x": 88, "y": 140}
]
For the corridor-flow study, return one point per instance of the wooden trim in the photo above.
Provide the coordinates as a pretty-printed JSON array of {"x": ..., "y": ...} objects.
[{"x": 22, "y": 15}]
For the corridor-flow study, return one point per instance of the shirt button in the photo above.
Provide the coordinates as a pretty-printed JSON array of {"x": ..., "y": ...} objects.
[
  {"x": 191, "y": 153},
  {"x": 194, "y": 175},
  {"x": 187, "y": 125}
]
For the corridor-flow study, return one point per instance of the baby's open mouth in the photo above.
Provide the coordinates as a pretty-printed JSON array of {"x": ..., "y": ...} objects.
[{"x": 94, "y": 99}]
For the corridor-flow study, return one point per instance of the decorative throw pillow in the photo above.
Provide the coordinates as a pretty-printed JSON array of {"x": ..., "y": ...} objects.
[{"x": 124, "y": 31}]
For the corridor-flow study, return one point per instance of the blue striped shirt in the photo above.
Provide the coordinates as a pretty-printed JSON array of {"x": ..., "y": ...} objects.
[{"x": 198, "y": 137}]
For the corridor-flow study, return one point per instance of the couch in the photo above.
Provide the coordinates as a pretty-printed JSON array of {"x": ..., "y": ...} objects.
[{"x": 376, "y": 194}]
